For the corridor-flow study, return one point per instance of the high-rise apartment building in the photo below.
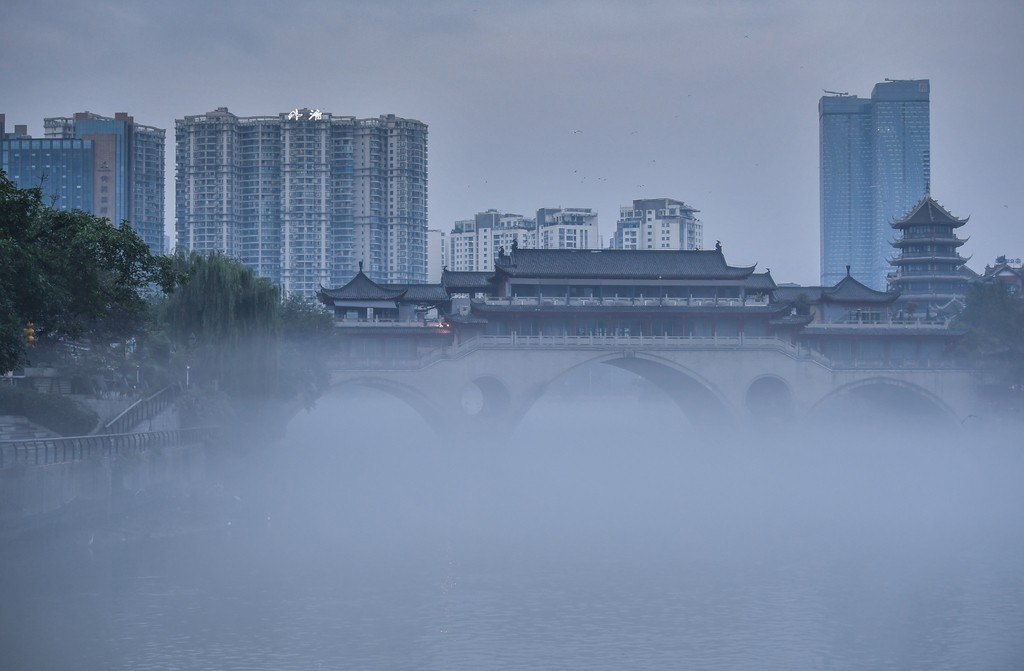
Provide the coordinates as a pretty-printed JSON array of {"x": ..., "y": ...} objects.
[
  {"x": 658, "y": 223},
  {"x": 875, "y": 166},
  {"x": 305, "y": 198},
  {"x": 109, "y": 167},
  {"x": 567, "y": 228},
  {"x": 436, "y": 255},
  {"x": 473, "y": 243}
]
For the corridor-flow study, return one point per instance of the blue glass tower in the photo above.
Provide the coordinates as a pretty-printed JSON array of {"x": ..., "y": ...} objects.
[
  {"x": 61, "y": 167},
  {"x": 110, "y": 167},
  {"x": 875, "y": 167}
]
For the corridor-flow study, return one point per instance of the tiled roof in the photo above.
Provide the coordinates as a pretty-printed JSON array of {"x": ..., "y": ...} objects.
[
  {"x": 361, "y": 287},
  {"x": 790, "y": 293},
  {"x": 927, "y": 211},
  {"x": 422, "y": 293},
  {"x": 849, "y": 290},
  {"x": 619, "y": 264},
  {"x": 461, "y": 280},
  {"x": 760, "y": 282}
]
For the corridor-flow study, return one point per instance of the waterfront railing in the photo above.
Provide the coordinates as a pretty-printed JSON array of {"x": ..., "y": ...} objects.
[
  {"x": 140, "y": 411},
  {"x": 46, "y": 451}
]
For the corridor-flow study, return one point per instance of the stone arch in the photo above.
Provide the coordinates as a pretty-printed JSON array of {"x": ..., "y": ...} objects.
[
  {"x": 485, "y": 396},
  {"x": 697, "y": 398},
  {"x": 881, "y": 396},
  {"x": 769, "y": 398},
  {"x": 424, "y": 406}
]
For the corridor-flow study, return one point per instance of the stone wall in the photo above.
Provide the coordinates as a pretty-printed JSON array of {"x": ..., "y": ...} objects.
[{"x": 33, "y": 496}]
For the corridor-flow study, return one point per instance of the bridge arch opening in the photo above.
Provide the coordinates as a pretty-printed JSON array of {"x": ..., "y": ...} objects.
[
  {"x": 627, "y": 388},
  {"x": 356, "y": 406},
  {"x": 769, "y": 399},
  {"x": 485, "y": 396},
  {"x": 884, "y": 400}
]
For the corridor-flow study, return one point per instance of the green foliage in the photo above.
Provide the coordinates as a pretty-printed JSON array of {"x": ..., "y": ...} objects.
[
  {"x": 305, "y": 319},
  {"x": 222, "y": 322},
  {"x": 70, "y": 273},
  {"x": 59, "y": 414},
  {"x": 994, "y": 318},
  {"x": 307, "y": 331}
]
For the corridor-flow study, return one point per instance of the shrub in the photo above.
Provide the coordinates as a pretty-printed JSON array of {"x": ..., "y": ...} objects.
[{"x": 57, "y": 413}]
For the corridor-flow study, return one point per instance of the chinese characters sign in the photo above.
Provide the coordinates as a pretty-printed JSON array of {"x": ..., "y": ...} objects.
[{"x": 298, "y": 115}]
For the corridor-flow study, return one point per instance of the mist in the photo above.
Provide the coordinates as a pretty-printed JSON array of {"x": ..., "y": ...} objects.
[{"x": 607, "y": 531}]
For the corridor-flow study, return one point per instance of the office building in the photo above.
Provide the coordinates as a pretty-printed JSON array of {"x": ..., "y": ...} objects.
[
  {"x": 658, "y": 223},
  {"x": 875, "y": 166},
  {"x": 304, "y": 197},
  {"x": 109, "y": 167}
]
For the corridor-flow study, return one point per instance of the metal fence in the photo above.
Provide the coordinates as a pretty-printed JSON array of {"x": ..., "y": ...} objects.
[
  {"x": 141, "y": 410},
  {"x": 45, "y": 451}
]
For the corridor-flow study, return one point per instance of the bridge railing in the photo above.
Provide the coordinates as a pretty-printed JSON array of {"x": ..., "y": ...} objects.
[
  {"x": 623, "y": 301},
  {"x": 46, "y": 451}
]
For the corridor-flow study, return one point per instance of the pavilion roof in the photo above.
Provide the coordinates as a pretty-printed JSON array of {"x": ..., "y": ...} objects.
[
  {"x": 849, "y": 290},
  {"x": 761, "y": 282},
  {"x": 928, "y": 211},
  {"x": 362, "y": 288}
]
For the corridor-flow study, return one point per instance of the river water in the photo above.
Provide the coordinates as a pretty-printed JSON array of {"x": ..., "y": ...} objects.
[{"x": 601, "y": 535}]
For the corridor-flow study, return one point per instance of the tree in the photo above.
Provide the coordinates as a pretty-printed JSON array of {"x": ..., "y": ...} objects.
[
  {"x": 222, "y": 323},
  {"x": 994, "y": 319},
  {"x": 69, "y": 273},
  {"x": 307, "y": 332}
]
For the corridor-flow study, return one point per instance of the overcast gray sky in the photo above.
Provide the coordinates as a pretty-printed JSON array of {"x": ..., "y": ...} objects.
[{"x": 713, "y": 103}]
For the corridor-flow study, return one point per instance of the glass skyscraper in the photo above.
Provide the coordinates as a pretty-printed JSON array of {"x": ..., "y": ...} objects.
[
  {"x": 875, "y": 167},
  {"x": 110, "y": 167},
  {"x": 305, "y": 197}
]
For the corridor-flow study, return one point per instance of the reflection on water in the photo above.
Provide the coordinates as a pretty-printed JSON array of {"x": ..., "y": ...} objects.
[{"x": 605, "y": 537}]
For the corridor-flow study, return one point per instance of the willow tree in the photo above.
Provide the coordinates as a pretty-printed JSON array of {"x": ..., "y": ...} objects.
[{"x": 222, "y": 323}]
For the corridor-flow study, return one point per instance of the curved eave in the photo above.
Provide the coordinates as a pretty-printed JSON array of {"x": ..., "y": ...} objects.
[
  {"x": 904, "y": 260},
  {"x": 906, "y": 242},
  {"x": 926, "y": 277},
  {"x": 957, "y": 223}
]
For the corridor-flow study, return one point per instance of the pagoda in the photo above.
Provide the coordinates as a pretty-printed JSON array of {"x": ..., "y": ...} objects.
[{"x": 930, "y": 273}]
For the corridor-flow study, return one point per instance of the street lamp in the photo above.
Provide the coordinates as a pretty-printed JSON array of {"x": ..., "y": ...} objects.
[{"x": 187, "y": 369}]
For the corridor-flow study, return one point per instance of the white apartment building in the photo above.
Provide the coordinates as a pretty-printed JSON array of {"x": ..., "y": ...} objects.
[
  {"x": 436, "y": 255},
  {"x": 567, "y": 228},
  {"x": 658, "y": 223},
  {"x": 473, "y": 243},
  {"x": 304, "y": 197}
]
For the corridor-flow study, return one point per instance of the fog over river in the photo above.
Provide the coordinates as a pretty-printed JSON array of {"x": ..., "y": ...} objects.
[{"x": 605, "y": 533}]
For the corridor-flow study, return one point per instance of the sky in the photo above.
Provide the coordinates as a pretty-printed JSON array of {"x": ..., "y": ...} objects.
[{"x": 567, "y": 103}]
